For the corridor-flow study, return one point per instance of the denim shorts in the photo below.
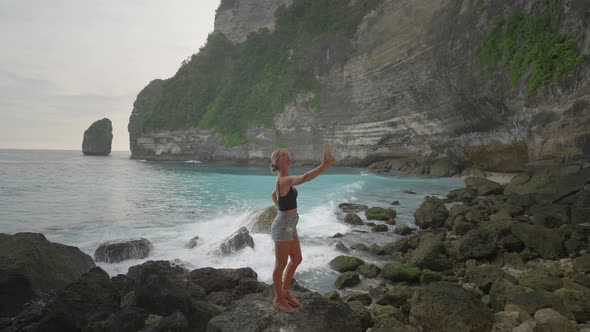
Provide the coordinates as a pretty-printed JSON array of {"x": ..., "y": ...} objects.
[{"x": 284, "y": 227}]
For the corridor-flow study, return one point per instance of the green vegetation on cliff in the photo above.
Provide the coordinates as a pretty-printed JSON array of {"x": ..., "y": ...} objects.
[
  {"x": 230, "y": 87},
  {"x": 530, "y": 46}
]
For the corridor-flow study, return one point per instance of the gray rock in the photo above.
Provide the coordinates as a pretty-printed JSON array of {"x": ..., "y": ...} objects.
[
  {"x": 402, "y": 229},
  {"x": 432, "y": 213},
  {"x": 345, "y": 263},
  {"x": 261, "y": 220},
  {"x": 361, "y": 297},
  {"x": 442, "y": 306},
  {"x": 369, "y": 270},
  {"x": 120, "y": 250},
  {"x": 431, "y": 253},
  {"x": 378, "y": 213},
  {"x": 237, "y": 241},
  {"x": 443, "y": 168},
  {"x": 362, "y": 314},
  {"x": 341, "y": 247},
  {"x": 30, "y": 263},
  {"x": 544, "y": 241},
  {"x": 350, "y": 207},
  {"x": 347, "y": 279},
  {"x": 257, "y": 313},
  {"x": 477, "y": 243},
  {"x": 483, "y": 186},
  {"x": 353, "y": 219},
  {"x": 98, "y": 138},
  {"x": 582, "y": 263},
  {"x": 554, "y": 321},
  {"x": 550, "y": 215},
  {"x": 192, "y": 243}
]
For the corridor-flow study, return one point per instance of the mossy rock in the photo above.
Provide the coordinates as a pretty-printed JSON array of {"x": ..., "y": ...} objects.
[
  {"x": 397, "y": 296},
  {"x": 582, "y": 263},
  {"x": 353, "y": 219},
  {"x": 400, "y": 272},
  {"x": 333, "y": 295},
  {"x": 432, "y": 213},
  {"x": 377, "y": 213},
  {"x": 369, "y": 270},
  {"x": 347, "y": 279},
  {"x": 363, "y": 298},
  {"x": 346, "y": 263},
  {"x": 362, "y": 314},
  {"x": 98, "y": 138},
  {"x": 380, "y": 228},
  {"x": 428, "y": 277}
]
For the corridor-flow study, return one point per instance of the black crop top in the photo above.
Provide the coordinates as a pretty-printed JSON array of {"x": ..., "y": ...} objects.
[{"x": 289, "y": 201}]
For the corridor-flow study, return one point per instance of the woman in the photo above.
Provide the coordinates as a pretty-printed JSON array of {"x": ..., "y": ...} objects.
[{"x": 283, "y": 228}]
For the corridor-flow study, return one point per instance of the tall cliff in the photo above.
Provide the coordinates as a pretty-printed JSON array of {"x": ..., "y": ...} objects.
[{"x": 406, "y": 83}]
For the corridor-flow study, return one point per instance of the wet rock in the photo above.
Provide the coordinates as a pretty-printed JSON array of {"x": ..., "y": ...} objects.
[
  {"x": 341, "y": 247},
  {"x": 369, "y": 270},
  {"x": 544, "y": 241},
  {"x": 350, "y": 207},
  {"x": 333, "y": 295},
  {"x": 477, "y": 243},
  {"x": 402, "y": 229},
  {"x": 483, "y": 186},
  {"x": 353, "y": 219},
  {"x": 237, "y": 241},
  {"x": 379, "y": 228},
  {"x": 261, "y": 220},
  {"x": 345, "y": 263},
  {"x": 443, "y": 306},
  {"x": 257, "y": 313},
  {"x": 396, "y": 202},
  {"x": 191, "y": 243},
  {"x": 400, "y": 272},
  {"x": 120, "y": 250},
  {"x": 30, "y": 263},
  {"x": 377, "y": 213},
  {"x": 347, "y": 279},
  {"x": 432, "y": 213}
]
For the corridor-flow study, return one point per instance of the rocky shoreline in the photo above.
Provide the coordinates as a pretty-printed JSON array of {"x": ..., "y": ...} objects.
[{"x": 489, "y": 257}]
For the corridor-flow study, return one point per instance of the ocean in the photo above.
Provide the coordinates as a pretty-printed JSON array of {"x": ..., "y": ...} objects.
[{"x": 84, "y": 201}]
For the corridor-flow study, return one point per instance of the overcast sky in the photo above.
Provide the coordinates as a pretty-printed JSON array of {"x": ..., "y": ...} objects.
[{"x": 67, "y": 63}]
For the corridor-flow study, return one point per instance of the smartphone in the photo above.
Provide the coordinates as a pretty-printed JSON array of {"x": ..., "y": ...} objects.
[{"x": 327, "y": 148}]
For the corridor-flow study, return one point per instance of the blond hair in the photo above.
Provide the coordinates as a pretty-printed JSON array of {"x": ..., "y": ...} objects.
[{"x": 274, "y": 158}]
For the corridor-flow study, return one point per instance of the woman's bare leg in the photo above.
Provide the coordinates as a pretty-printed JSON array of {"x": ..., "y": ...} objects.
[
  {"x": 282, "y": 250},
  {"x": 296, "y": 258}
]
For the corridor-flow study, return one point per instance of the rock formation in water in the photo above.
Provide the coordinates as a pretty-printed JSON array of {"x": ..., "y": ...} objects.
[
  {"x": 410, "y": 85},
  {"x": 98, "y": 138}
]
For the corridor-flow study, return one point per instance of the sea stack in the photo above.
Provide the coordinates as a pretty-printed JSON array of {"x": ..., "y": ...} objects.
[{"x": 98, "y": 138}]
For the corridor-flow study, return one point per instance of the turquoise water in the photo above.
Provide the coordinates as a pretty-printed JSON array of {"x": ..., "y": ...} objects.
[{"x": 84, "y": 201}]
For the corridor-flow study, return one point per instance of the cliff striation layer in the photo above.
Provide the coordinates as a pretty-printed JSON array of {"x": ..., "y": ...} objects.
[{"x": 406, "y": 85}]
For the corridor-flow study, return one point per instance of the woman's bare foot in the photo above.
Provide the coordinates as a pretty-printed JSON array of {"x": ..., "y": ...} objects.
[
  {"x": 283, "y": 305},
  {"x": 291, "y": 299}
]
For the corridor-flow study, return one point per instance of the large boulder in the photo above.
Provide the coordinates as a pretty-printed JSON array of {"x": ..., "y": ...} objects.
[
  {"x": 430, "y": 253},
  {"x": 98, "y": 138},
  {"x": 483, "y": 186},
  {"x": 237, "y": 241},
  {"x": 353, "y": 219},
  {"x": 257, "y": 313},
  {"x": 29, "y": 262},
  {"x": 432, "y": 213},
  {"x": 443, "y": 168},
  {"x": 442, "y": 306},
  {"x": 216, "y": 280},
  {"x": 377, "y": 213},
  {"x": 347, "y": 279},
  {"x": 351, "y": 207},
  {"x": 400, "y": 272},
  {"x": 120, "y": 250},
  {"x": 261, "y": 220},
  {"x": 345, "y": 263},
  {"x": 82, "y": 303},
  {"x": 477, "y": 243},
  {"x": 544, "y": 241},
  {"x": 550, "y": 215}
]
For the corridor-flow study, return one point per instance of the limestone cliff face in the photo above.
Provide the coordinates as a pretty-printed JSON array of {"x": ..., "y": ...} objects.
[
  {"x": 237, "y": 18},
  {"x": 407, "y": 86}
]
